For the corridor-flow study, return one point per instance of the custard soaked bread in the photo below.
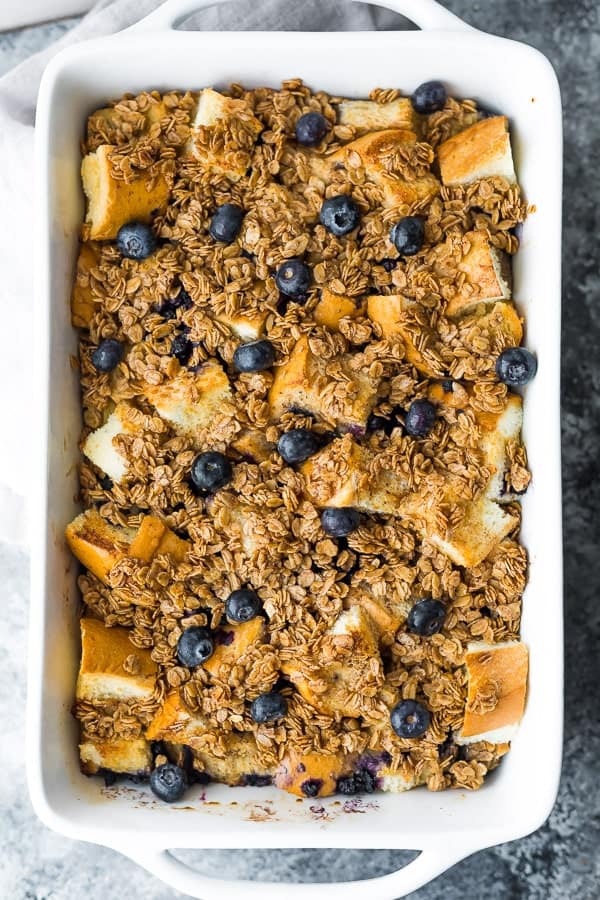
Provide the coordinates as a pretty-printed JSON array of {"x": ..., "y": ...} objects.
[{"x": 301, "y": 366}]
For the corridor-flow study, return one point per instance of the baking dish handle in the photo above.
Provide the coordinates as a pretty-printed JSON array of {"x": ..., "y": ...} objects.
[
  {"x": 176, "y": 874},
  {"x": 427, "y": 14}
]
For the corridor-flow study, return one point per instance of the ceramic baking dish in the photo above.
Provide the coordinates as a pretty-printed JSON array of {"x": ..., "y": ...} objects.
[{"x": 448, "y": 826}]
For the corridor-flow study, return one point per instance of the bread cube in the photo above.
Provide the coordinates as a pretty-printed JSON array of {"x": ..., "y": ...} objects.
[
  {"x": 367, "y": 115},
  {"x": 497, "y": 685},
  {"x": 487, "y": 275},
  {"x": 83, "y": 303},
  {"x": 112, "y": 668},
  {"x": 232, "y": 160},
  {"x": 253, "y": 445},
  {"x": 312, "y": 770},
  {"x": 339, "y": 475},
  {"x": 496, "y": 431},
  {"x": 331, "y": 308},
  {"x": 155, "y": 538},
  {"x": 335, "y": 686},
  {"x": 240, "y": 764},
  {"x": 481, "y": 151},
  {"x": 391, "y": 313},
  {"x": 191, "y": 401},
  {"x": 374, "y": 150},
  {"x": 395, "y": 782},
  {"x": 123, "y": 756},
  {"x": 484, "y": 524},
  {"x": 232, "y": 641},
  {"x": 113, "y": 202},
  {"x": 501, "y": 324},
  {"x": 113, "y": 122},
  {"x": 97, "y": 545},
  {"x": 299, "y": 384},
  {"x": 386, "y": 614},
  {"x": 175, "y": 722},
  {"x": 100, "y": 448},
  {"x": 246, "y": 327}
]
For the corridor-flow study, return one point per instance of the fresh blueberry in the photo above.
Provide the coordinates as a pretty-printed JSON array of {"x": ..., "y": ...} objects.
[
  {"x": 211, "y": 471},
  {"x": 389, "y": 264},
  {"x": 293, "y": 278},
  {"x": 311, "y": 787},
  {"x": 338, "y": 522},
  {"x": 195, "y": 646},
  {"x": 516, "y": 366},
  {"x": 254, "y": 780},
  {"x": 168, "y": 782},
  {"x": 408, "y": 235},
  {"x": 242, "y": 605},
  {"x": 311, "y": 128},
  {"x": 254, "y": 356},
  {"x": 410, "y": 719},
  {"x": 429, "y": 97},
  {"x": 168, "y": 308},
  {"x": 268, "y": 707},
  {"x": 136, "y": 240},
  {"x": 107, "y": 355},
  {"x": 297, "y": 445},
  {"x": 181, "y": 348},
  {"x": 362, "y": 782},
  {"x": 340, "y": 215},
  {"x": 226, "y": 223},
  {"x": 420, "y": 418},
  {"x": 426, "y": 617}
]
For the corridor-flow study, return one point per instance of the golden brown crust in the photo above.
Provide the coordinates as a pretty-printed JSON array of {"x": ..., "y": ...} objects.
[
  {"x": 312, "y": 774},
  {"x": 487, "y": 275},
  {"x": 477, "y": 152},
  {"x": 111, "y": 666},
  {"x": 97, "y": 545},
  {"x": 497, "y": 687},
  {"x": 128, "y": 757}
]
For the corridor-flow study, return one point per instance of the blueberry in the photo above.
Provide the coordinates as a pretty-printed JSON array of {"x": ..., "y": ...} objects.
[
  {"x": 311, "y": 787},
  {"x": 408, "y": 235},
  {"x": 311, "y": 128},
  {"x": 181, "y": 348},
  {"x": 254, "y": 780},
  {"x": 516, "y": 366},
  {"x": 293, "y": 278},
  {"x": 268, "y": 707},
  {"x": 297, "y": 445},
  {"x": 339, "y": 522},
  {"x": 340, "y": 215},
  {"x": 382, "y": 423},
  {"x": 410, "y": 719},
  {"x": 136, "y": 240},
  {"x": 389, "y": 264},
  {"x": 426, "y": 617},
  {"x": 429, "y": 97},
  {"x": 362, "y": 782},
  {"x": 107, "y": 355},
  {"x": 195, "y": 646},
  {"x": 168, "y": 309},
  {"x": 168, "y": 782},
  {"x": 254, "y": 356},
  {"x": 420, "y": 418},
  {"x": 242, "y": 605},
  {"x": 211, "y": 471},
  {"x": 226, "y": 223}
]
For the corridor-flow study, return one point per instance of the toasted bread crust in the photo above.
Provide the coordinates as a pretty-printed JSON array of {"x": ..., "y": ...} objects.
[
  {"x": 481, "y": 151},
  {"x": 496, "y": 689}
]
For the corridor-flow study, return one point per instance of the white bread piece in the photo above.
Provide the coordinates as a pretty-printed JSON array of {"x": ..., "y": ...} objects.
[
  {"x": 102, "y": 675},
  {"x": 295, "y": 385},
  {"x": 390, "y": 313},
  {"x": 367, "y": 115},
  {"x": 252, "y": 444},
  {"x": 175, "y": 722},
  {"x": 332, "y": 308},
  {"x": 498, "y": 670},
  {"x": 481, "y": 151},
  {"x": 394, "y": 782},
  {"x": 96, "y": 543},
  {"x": 191, "y": 401},
  {"x": 247, "y": 328},
  {"x": 496, "y": 432},
  {"x": 241, "y": 757},
  {"x": 387, "y": 614},
  {"x": 487, "y": 275},
  {"x": 373, "y": 150},
  {"x": 212, "y": 108},
  {"x": 125, "y": 756},
  {"x": 83, "y": 300},
  {"x": 240, "y": 637},
  {"x": 99, "y": 446},
  {"x": 112, "y": 202},
  {"x": 484, "y": 525}
]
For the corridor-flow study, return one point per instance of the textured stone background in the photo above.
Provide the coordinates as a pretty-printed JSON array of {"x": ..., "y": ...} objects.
[{"x": 559, "y": 862}]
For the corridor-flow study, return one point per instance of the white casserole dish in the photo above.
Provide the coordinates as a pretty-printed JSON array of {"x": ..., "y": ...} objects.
[{"x": 448, "y": 826}]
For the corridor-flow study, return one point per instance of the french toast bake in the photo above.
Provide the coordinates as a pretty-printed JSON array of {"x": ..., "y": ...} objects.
[{"x": 301, "y": 447}]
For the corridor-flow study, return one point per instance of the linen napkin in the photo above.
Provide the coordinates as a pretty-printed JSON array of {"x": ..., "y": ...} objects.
[{"x": 18, "y": 92}]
